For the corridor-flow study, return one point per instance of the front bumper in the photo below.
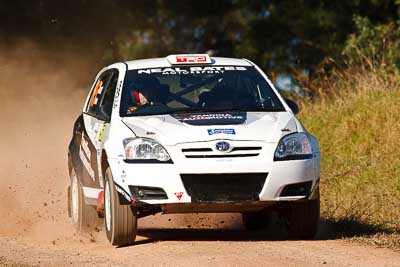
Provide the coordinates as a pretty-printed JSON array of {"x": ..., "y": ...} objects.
[{"x": 169, "y": 178}]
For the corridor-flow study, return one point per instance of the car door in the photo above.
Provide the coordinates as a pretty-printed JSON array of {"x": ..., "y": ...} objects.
[
  {"x": 101, "y": 123},
  {"x": 96, "y": 117}
]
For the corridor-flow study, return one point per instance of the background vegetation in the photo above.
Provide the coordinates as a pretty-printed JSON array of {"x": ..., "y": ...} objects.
[{"x": 280, "y": 35}]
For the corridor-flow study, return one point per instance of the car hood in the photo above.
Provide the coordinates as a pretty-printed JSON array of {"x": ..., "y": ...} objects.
[{"x": 188, "y": 128}]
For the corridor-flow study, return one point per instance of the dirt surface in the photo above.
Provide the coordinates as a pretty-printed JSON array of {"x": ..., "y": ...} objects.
[
  {"x": 180, "y": 247},
  {"x": 40, "y": 102}
]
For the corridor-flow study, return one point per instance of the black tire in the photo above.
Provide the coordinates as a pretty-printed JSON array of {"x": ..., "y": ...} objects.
[
  {"x": 256, "y": 220},
  {"x": 302, "y": 219},
  {"x": 121, "y": 227},
  {"x": 83, "y": 216}
]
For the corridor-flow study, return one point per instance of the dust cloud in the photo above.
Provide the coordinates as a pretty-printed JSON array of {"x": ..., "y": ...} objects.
[
  {"x": 40, "y": 100},
  {"x": 42, "y": 93}
]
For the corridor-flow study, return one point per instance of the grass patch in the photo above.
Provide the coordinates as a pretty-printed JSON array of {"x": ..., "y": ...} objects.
[
  {"x": 381, "y": 240},
  {"x": 357, "y": 124}
]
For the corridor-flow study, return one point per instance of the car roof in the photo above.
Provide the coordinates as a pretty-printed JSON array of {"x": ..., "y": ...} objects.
[{"x": 164, "y": 63}]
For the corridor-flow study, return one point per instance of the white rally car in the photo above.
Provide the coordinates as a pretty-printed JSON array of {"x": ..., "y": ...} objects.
[{"x": 191, "y": 134}]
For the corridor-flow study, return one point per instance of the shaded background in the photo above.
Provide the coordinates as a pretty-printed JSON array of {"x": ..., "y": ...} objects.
[{"x": 281, "y": 36}]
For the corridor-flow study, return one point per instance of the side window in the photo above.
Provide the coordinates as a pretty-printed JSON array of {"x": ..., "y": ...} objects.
[
  {"x": 98, "y": 89},
  {"x": 108, "y": 96}
]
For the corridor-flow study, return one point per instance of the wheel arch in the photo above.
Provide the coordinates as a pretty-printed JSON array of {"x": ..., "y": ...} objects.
[
  {"x": 70, "y": 164},
  {"x": 104, "y": 165}
]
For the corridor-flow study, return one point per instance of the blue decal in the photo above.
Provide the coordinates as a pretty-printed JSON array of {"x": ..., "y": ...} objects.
[{"x": 221, "y": 131}]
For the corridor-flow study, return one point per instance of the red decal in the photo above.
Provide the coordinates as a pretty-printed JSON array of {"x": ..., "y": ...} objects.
[
  {"x": 179, "y": 195},
  {"x": 181, "y": 59},
  {"x": 201, "y": 59},
  {"x": 191, "y": 59}
]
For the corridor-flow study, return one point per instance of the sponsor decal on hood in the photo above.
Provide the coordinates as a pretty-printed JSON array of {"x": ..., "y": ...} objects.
[
  {"x": 220, "y": 131},
  {"x": 221, "y": 118}
]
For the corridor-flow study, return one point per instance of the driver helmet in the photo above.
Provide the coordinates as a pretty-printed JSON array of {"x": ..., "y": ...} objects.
[{"x": 143, "y": 92}]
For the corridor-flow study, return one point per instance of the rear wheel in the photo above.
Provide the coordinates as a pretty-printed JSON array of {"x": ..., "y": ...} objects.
[
  {"x": 120, "y": 220},
  {"x": 256, "y": 220},
  {"x": 83, "y": 216},
  {"x": 302, "y": 219}
]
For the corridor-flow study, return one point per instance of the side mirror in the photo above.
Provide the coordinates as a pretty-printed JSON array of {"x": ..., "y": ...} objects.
[{"x": 292, "y": 105}]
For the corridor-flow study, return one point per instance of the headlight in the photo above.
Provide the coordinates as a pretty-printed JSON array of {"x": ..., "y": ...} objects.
[
  {"x": 144, "y": 149},
  {"x": 293, "y": 146}
]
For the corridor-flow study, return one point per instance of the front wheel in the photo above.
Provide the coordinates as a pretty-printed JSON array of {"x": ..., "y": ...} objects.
[
  {"x": 302, "y": 219},
  {"x": 120, "y": 220}
]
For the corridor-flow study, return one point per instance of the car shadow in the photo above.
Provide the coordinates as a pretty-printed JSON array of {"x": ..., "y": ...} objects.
[
  {"x": 328, "y": 230},
  {"x": 199, "y": 234}
]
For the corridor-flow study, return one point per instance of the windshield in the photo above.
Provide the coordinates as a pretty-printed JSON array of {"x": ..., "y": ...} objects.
[{"x": 196, "y": 89}]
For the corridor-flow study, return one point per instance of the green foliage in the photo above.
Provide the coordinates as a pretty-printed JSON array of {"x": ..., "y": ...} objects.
[
  {"x": 373, "y": 45},
  {"x": 280, "y": 35}
]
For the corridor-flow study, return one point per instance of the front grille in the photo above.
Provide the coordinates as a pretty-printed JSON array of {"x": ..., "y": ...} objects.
[
  {"x": 227, "y": 187},
  {"x": 245, "y": 148},
  {"x": 207, "y": 152},
  {"x": 205, "y": 149},
  {"x": 222, "y": 156}
]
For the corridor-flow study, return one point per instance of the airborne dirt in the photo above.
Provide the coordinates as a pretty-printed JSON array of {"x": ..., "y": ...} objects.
[{"x": 41, "y": 97}]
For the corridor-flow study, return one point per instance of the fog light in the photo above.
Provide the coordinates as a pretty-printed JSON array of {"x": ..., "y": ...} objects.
[{"x": 299, "y": 189}]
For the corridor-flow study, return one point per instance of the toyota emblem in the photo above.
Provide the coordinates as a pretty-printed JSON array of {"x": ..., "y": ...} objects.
[{"x": 222, "y": 146}]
